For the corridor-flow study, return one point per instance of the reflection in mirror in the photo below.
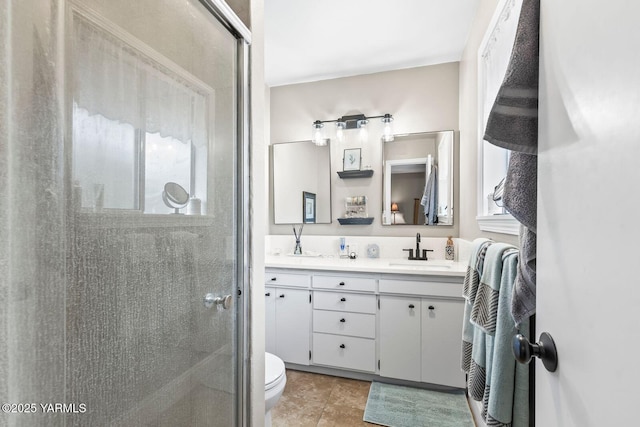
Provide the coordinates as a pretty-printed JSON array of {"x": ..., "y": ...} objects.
[
  {"x": 418, "y": 179},
  {"x": 298, "y": 168}
]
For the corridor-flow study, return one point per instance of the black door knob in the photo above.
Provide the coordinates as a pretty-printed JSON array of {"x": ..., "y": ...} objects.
[
  {"x": 268, "y": 294},
  {"x": 341, "y": 283},
  {"x": 342, "y": 346},
  {"x": 431, "y": 307},
  {"x": 282, "y": 296},
  {"x": 411, "y": 306},
  {"x": 343, "y": 299},
  {"x": 273, "y": 279},
  {"x": 545, "y": 350},
  {"x": 342, "y": 320}
]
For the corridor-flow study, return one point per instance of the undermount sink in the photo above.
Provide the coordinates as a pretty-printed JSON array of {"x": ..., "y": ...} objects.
[{"x": 427, "y": 265}]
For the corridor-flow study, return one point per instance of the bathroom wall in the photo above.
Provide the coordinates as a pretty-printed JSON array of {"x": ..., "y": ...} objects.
[
  {"x": 467, "y": 208},
  {"x": 420, "y": 99}
]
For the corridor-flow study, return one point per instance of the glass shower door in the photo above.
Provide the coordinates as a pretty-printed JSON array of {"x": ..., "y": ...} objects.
[{"x": 153, "y": 226}]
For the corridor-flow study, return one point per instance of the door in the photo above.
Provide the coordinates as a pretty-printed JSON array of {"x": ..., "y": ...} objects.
[
  {"x": 400, "y": 337},
  {"x": 441, "y": 321},
  {"x": 293, "y": 321},
  {"x": 270, "y": 319},
  {"x": 122, "y": 180},
  {"x": 588, "y": 292}
]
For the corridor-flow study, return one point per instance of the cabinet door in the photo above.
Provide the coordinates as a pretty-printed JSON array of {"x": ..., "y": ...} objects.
[
  {"x": 270, "y": 319},
  {"x": 400, "y": 337},
  {"x": 441, "y": 342},
  {"x": 293, "y": 321}
]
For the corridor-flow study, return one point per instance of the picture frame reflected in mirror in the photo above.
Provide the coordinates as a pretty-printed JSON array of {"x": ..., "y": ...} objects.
[
  {"x": 308, "y": 207},
  {"x": 352, "y": 159}
]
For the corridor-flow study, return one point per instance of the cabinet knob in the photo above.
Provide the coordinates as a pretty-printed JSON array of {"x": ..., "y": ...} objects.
[
  {"x": 343, "y": 320},
  {"x": 268, "y": 294},
  {"x": 342, "y": 346},
  {"x": 431, "y": 307},
  {"x": 341, "y": 283},
  {"x": 282, "y": 296},
  {"x": 343, "y": 299},
  {"x": 273, "y": 279},
  {"x": 412, "y": 306}
]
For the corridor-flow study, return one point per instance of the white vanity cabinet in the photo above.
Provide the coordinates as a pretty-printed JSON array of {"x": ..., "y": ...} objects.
[
  {"x": 420, "y": 335},
  {"x": 288, "y": 316},
  {"x": 442, "y": 342},
  {"x": 344, "y": 322},
  {"x": 400, "y": 338},
  {"x": 372, "y": 324}
]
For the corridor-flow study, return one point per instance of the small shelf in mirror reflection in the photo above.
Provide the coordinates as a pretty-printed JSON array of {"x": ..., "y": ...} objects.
[
  {"x": 355, "y": 221},
  {"x": 366, "y": 173}
]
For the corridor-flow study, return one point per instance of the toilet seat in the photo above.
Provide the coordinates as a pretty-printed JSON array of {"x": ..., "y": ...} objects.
[{"x": 274, "y": 371}]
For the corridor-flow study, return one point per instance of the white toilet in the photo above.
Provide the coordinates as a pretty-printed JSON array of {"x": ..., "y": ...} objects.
[{"x": 274, "y": 381}]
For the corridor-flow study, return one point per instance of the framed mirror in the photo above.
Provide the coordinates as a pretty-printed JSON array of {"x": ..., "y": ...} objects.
[
  {"x": 418, "y": 179},
  {"x": 301, "y": 179}
]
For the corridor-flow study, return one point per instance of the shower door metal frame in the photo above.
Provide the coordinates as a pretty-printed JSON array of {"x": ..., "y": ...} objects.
[{"x": 242, "y": 34}]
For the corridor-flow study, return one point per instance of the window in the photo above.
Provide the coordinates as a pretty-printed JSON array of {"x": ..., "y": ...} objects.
[
  {"x": 493, "y": 58},
  {"x": 139, "y": 121}
]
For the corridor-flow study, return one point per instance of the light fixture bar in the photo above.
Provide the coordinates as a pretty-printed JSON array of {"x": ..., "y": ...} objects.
[{"x": 353, "y": 121}]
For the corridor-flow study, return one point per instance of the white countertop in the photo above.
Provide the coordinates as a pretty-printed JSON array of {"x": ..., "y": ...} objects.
[{"x": 369, "y": 265}]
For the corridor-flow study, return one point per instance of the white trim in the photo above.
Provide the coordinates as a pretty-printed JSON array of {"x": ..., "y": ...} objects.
[
  {"x": 148, "y": 53},
  {"x": 505, "y": 224}
]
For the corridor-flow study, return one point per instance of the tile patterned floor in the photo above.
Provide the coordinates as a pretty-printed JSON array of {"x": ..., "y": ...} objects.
[{"x": 320, "y": 400}]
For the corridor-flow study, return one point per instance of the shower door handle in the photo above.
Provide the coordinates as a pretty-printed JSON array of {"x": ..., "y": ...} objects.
[{"x": 210, "y": 300}]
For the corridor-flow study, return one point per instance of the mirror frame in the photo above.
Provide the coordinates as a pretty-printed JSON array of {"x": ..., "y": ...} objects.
[
  {"x": 386, "y": 185},
  {"x": 297, "y": 205}
]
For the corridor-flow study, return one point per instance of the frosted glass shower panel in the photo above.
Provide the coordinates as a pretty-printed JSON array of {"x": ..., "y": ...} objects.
[
  {"x": 140, "y": 121},
  {"x": 106, "y": 153}
]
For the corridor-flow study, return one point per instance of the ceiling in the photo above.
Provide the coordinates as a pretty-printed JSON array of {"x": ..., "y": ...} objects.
[{"x": 310, "y": 40}]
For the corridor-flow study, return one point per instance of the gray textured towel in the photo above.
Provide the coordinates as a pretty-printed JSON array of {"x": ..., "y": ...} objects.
[
  {"x": 523, "y": 301},
  {"x": 521, "y": 188},
  {"x": 513, "y": 120},
  {"x": 513, "y": 124}
]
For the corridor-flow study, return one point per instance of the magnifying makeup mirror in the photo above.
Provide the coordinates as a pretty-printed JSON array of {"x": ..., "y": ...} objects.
[{"x": 175, "y": 196}]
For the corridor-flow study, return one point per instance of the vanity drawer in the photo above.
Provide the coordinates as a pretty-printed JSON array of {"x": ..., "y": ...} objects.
[
  {"x": 287, "y": 279},
  {"x": 341, "y": 323},
  {"x": 437, "y": 289},
  {"x": 345, "y": 283},
  {"x": 344, "y": 352},
  {"x": 342, "y": 301}
]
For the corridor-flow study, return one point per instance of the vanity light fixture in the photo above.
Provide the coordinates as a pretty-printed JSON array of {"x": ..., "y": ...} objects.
[
  {"x": 355, "y": 121},
  {"x": 387, "y": 133},
  {"x": 318, "y": 133}
]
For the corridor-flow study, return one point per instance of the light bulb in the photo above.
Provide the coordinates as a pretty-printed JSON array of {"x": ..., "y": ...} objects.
[
  {"x": 340, "y": 126},
  {"x": 318, "y": 133},
  {"x": 362, "y": 125},
  {"x": 387, "y": 133}
]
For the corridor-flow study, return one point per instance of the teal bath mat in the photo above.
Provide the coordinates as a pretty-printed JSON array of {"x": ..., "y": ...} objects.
[{"x": 399, "y": 406}]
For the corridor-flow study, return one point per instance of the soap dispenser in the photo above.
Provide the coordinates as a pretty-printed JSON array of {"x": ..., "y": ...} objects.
[
  {"x": 344, "y": 249},
  {"x": 449, "y": 250}
]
